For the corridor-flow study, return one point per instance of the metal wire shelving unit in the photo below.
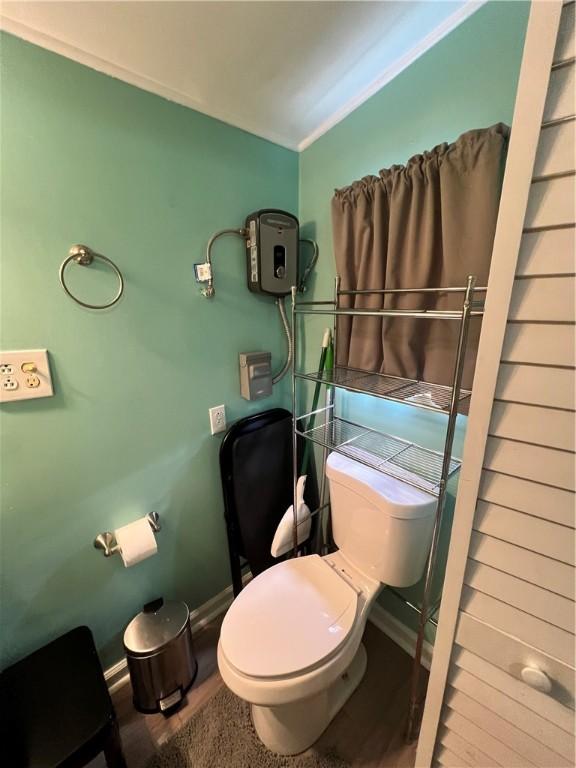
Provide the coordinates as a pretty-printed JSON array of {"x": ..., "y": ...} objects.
[
  {"x": 422, "y": 394},
  {"x": 420, "y": 467},
  {"x": 392, "y": 455}
]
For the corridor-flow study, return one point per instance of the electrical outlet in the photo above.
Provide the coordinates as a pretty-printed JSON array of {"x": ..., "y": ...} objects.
[
  {"x": 24, "y": 374},
  {"x": 9, "y": 384},
  {"x": 32, "y": 381},
  {"x": 217, "y": 419}
]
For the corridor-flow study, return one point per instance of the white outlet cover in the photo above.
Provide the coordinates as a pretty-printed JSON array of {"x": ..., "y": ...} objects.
[
  {"x": 11, "y": 372},
  {"x": 217, "y": 419}
]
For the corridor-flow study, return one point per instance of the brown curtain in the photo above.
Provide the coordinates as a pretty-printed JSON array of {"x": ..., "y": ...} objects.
[{"x": 429, "y": 223}]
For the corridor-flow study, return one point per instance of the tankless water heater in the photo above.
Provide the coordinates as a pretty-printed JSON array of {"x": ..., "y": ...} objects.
[{"x": 272, "y": 252}]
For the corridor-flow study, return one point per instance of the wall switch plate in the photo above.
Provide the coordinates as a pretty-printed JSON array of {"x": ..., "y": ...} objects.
[
  {"x": 217, "y": 419},
  {"x": 24, "y": 374}
]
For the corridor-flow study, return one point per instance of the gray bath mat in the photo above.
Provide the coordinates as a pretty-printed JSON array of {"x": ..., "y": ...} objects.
[{"x": 221, "y": 735}]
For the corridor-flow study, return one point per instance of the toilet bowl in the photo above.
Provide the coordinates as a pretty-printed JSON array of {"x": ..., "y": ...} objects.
[
  {"x": 291, "y": 646},
  {"x": 290, "y": 643}
]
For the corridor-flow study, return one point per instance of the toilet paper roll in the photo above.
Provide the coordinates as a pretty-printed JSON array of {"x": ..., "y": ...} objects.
[{"x": 136, "y": 541}]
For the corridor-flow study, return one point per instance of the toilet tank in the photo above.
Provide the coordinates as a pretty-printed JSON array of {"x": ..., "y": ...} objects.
[{"x": 382, "y": 525}]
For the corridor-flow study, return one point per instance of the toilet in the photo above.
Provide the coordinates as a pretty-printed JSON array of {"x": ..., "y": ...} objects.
[{"x": 290, "y": 643}]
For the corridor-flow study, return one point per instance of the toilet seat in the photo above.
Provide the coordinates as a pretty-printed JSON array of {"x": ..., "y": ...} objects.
[{"x": 289, "y": 619}]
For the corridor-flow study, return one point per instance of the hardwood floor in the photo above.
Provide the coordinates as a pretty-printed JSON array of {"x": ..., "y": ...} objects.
[{"x": 368, "y": 731}]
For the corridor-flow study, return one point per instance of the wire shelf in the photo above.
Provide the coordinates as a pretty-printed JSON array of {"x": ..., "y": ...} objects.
[
  {"x": 422, "y": 394},
  {"x": 308, "y": 308},
  {"x": 417, "y": 466}
]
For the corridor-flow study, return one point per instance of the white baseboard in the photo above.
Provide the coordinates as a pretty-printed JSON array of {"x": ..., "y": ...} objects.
[
  {"x": 117, "y": 674},
  {"x": 399, "y": 633}
]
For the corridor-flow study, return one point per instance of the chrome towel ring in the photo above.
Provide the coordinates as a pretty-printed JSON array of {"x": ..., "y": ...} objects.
[{"x": 83, "y": 255}]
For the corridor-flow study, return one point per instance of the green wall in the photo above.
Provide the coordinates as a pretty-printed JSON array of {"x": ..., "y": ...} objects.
[
  {"x": 86, "y": 158},
  {"x": 466, "y": 81}
]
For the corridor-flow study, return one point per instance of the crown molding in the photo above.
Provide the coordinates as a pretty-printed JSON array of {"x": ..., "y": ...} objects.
[
  {"x": 394, "y": 69},
  {"x": 145, "y": 83}
]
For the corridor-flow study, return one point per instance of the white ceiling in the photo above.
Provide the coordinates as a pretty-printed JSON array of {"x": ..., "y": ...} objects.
[{"x": 287, "y": 71}]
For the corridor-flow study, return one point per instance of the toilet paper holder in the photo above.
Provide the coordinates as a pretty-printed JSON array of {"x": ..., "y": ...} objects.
[{"x": 107, "y": 541}]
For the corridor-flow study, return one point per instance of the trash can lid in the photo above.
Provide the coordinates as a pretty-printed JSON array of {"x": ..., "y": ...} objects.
[{"x": 158, "y": 624}]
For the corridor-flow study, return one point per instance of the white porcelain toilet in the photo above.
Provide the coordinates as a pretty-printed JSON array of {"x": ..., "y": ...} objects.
[{"x": 291, "y": 641}]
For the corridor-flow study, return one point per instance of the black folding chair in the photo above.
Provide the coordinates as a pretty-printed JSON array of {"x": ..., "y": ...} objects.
[{"x": 256, "y": 471}]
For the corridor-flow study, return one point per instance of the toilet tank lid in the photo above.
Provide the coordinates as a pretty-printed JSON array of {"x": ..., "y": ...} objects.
[{"x": 402, "y": 500}]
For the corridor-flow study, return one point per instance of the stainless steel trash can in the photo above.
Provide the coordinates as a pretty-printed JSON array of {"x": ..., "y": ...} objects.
[{"x": 161, "y": 661}]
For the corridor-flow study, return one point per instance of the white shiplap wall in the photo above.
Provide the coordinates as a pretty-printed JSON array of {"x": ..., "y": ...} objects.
[{"x": 517, "y": 602}]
